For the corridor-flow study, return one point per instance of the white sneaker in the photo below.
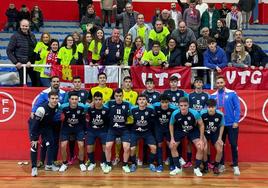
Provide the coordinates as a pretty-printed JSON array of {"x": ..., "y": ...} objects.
[
  {"x": 83, "y": 167},
  {"x": 52, "y": 168},
  {"x": 236, "y": 171},
  {"x": 102, "y": 165},
  {"x": 139, "y": 162},
  {"x": 182, "y": 161},
  {"x": 126, "y": 169},
  {"x": 197, "y": 172},
  {"x": 63, "y": 168},
  {"x": 107, "y": 169},
  {"x": 221, "y": 168},
  {"x": 175, "y": 171},
  {"x": 91, "y": 166},
  {"x": 34, "y": 171}
]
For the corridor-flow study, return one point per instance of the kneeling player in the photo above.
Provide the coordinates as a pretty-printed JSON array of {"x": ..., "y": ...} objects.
[
  {"x": 143, "y": 120},
  {"x": 40, "y": 124},
  {"x": 183, "y": 123},
  {"x": 214, "y": 126},
  {"x": 73, "y": 124},
  {"x": 98, "y": 125}
]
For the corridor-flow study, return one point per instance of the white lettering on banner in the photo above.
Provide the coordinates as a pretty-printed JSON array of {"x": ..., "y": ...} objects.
[
  {"x": 255, "y": 76},
  {"x": 263, "y": 110},
  {"x": 7, "y": 107},
  {"x": 246, "y": 109},
  {"x": 161, "y": 77}
]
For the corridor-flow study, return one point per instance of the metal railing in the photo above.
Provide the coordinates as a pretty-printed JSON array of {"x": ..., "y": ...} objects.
[{"x": 24, "y": 67}]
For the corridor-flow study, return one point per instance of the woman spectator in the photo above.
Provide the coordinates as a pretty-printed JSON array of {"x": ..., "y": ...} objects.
[
  {"x": 127, "y": 48},
  {"x": 240, "y": 57},
  {"x": 257, "y": 55},
  {"x": 173, "y": 53},
  {"x": 83, "y": 49},
  {"x": 42, "y": 45},
  {"x": 221, "y": 34},
  {"x": 95, "y": 48},
  {"x": 67, "y": 54},
  {"x": 233, "y": 21},
  {"x": 137, "y": 52},
  {"x": 36, "y": 18},
  {"x": 77, "y": 37}
]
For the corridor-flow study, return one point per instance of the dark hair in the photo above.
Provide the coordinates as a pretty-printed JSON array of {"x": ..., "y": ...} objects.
[
  {"x": 95, "y": 49},
  {"x": 192, "y": 42},
  {"x": 211, "y": 40},
  {"x": 183, "y": 99},
  {"x": 211, "y": 102},
  {"x": 85, "y": 44},
  {"x": 76, "y": 77},
  {"x": 220, "y": 77},
  {"x": 198, "y": 79},
  {"x": 102, "y": 73},
  {"x": 127, "y": 78},
  {"x": 118, "y": 90},
  {"x": 54, "y": 77},
  {"x": 149, "y": 80},
  {"x": 97, "y": 94},
  {"x": 156, "y": 42},
  {"x": 164, "y": 97},
  {"x": 51, "y": 42},
  {"x": 172, "y": 38},
  {"x": 173, "y": 78},
  {"x": 142, "y": 95},
  {"x": 52, "y": 93},
  {"x": 64, "y": 44},
  {"x": 71, "y": 93}
]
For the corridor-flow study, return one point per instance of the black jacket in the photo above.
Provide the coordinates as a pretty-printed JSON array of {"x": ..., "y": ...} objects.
[
  {"x": 190, "y": 59},
  {"x": 12, "y": 15},
  {"x": 223, "y": 36},
  {"x": 258, "y": 56},
  {"x": 174, "y": 57}
]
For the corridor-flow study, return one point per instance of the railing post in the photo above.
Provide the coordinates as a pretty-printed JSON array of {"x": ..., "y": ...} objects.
[
  {"x": 24, "y": 75},
  {"x": 119, "y": 76},
  {"x": 211, "y": 79}
]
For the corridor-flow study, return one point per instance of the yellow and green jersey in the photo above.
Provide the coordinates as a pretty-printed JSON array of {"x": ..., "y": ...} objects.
[
  {"x": 95, "y": 56},
  {"x": 127, "y": 51},
  {"x": 156, "y": 60},
  {"x": 130, "y": 96},
  {"x": 66, "y": 55},
  {"x": 161, "y": 37},
  {"x": 39, "y": 46},
  {"x": 106, "y": 92}
]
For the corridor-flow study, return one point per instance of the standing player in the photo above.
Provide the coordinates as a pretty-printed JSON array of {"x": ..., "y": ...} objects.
[
  {"x": 119, "y": 110},
  {"x": 197, "y": 101},
  {"x": 183, "y": 123},
  {"x": 98, "y": 126},
  {"x": 228, "y": 103},
  {"x": 73, "y": 124},
  {"x": 214, "y": 126},
  {"x": 41, "y": 124},
  {"x": 150, "y": 92},
  {"x": 163, "y": 111},
  {"x": 143, "y": 120}
]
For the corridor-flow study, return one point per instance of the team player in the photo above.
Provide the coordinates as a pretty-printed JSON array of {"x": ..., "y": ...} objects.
[
  {"x": 183, "y": 122},
  {"x": 150, "y": 92},
  {"x": 163, "y": 111},
  {"x": 143, "y": 120},
  {"x": 98, "y": 126},
  {"x": 214, "y": 126},
  {"x": 73, "y": 124},
  {"x": 41, "y": 124},
  {"x": 119, "y": 110}
]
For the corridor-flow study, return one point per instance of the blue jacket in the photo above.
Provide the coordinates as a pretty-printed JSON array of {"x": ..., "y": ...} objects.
[
  {"x": 217, "y": 59},
  {"x": 43, "y": 97},
  {"x": 231, "y": 105}
]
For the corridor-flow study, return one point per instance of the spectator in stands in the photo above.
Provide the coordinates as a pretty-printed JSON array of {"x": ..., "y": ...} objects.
[
  {"x": 155, "y": 57},
  {"x": 24, "y": 14},
  {"x": 233, "y": 21},
  {"x": 95, "y": 48},
  {"x": 90, "y": 19},
  {"x": 140, "y": 29},
  {"x": 36, "y": 18},
  {"x": 112, "y": 50},
  {"x": 106, "y": 10},
  {"x": 210, "y": 16},
  {"x": 82, "y": 49},
  {"x": 160, "y": 34},
  {"x": 221, "y": 34},
  {"x": 202, "y": 42},
  {"x": 12, "y": 15},
  {"x": 224, "y": 11},
  {"x": 183, "y": 6},
  {"x": 128, "y": 18},
  {"x": 238, "y": 37},
  {"x": 240, "y": 57},
  {"x": 42, "y": 45},
  {"x": 127, "y": 48},
  {"x": 246, "y": 6},
  {"x": 83, "y": 7},
  {"x": 67, "y": 54},
  {"x": 121, "y": 4},
  {"x": 191, "y": 16},
  {"x": 201, "y": 6},
  {"x": 156, "y": 16},
  {"x": 77, "y": 37},
  {"x": 214, "y": 56},
  {"x": 167, "y": 20},
  {"x": 137, "y": 52},
  {"x": 172, "y": 53},
  {"x": 258, "y": 56},
  {"x": 20, "y": 50},
  {"x": 183, "y": 36},
  {"x": 175, "y": 14}
]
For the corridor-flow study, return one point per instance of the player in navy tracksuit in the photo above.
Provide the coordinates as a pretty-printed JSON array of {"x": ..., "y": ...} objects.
[
  {"x": 98, "y": 127},
  {"x": 143, "y": 120},
  {"x": 119, "y": 110},
  {"x": 40, "y": 123},
  {"x": 73, "y": 124},
  {"x": 183, "y": 123},
  {"x": 214, "y": 126}
]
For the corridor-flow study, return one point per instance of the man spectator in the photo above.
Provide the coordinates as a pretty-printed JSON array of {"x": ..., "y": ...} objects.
[
  {"x": 202, "y": 42},
  {"x": 238, "y": 37},
  {"x": 112, "y": 50},
  {"x": 128, "y": 17},
  {"x": 90, "y": 19},
  {"x": 183, "y": 6},
  {"x": 246, "y": 6},
  {"x": 210, "y": 16},
  {"x": 224, "y": 11},
  {"x": 12, "y": 14},
  {"x": 175, "y": 14},
  {"x": 167, "y": 20},
  {"x": 82, "y": 7},
  {"x": 140, "y": 29},
  {"x": 20, "y": 50},
  {"x": 24, "y": 13}
]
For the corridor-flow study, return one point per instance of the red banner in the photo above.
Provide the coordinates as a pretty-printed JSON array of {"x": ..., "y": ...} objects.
[
  {"x": 160, "y": 76},
  {"x": 237, "y": 78}
]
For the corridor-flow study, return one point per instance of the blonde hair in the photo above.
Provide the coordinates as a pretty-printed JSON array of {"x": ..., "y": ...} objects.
[{"x": 242, "y": 53}]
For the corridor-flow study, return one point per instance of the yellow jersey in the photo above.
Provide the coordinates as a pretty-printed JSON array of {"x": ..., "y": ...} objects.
[{"x": 106, "y": 92}]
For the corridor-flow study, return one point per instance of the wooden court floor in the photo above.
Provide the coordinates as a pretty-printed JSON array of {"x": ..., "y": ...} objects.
[{"x": 14, "y": 175}]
